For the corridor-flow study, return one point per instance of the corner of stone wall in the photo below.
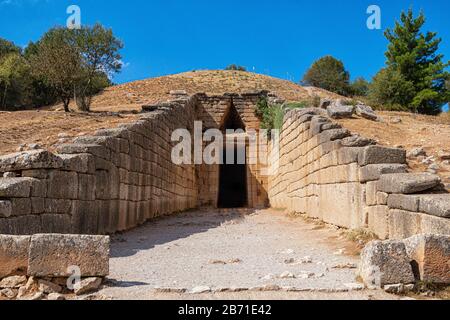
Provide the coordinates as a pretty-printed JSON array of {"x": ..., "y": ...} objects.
[
  {"x": 110, "y": 181},
  {"x": 347, "y": 180}
]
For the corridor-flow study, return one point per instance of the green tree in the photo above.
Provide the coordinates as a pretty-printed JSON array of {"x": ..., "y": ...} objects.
[
  {"x": 14, "y": 80},
  {"x": 360, "y": 87},
  {"x": 413, "y": 57},
  {"x": 99, "y": 50},
  {"x": 235, "y": 67},
  {"x": 328, "y": 73},
  {"x": 58, "y": 63},
  {"x": 7, "y": 47},
  {"x": 391, "y": 90},
  {"x": 76, "y": 63}
]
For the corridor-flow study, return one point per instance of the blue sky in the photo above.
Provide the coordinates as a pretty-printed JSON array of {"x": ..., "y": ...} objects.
[{"x": 280, "y": 38}]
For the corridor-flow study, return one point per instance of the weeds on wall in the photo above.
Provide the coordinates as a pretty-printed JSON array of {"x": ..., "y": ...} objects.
[{"x": 272, "y": 115}]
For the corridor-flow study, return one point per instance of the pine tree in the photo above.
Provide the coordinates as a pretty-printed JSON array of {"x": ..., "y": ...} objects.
[{"x": 414, "y": 55}]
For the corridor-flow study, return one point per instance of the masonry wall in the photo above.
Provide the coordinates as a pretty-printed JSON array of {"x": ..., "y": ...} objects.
[
  {"x": 112, "y": 181},
  {"x": 119, "y": 178},
  {"x": 346, "y": 180}
]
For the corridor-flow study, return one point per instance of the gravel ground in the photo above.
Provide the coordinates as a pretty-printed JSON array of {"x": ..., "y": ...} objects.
[{"x": 255, "y": 254}]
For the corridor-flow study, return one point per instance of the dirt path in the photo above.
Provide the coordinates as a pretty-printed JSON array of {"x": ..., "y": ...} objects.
[{"x": 233, "y": 255}]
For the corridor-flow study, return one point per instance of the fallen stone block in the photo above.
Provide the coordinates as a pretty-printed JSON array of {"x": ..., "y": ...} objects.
[
  {"x": 87, "y": 285},
  {"x": 36, "y": 159},
  {"x": 52, "y": 255},
  {"x": 366, "y": 112},
  {"x": 339, "y": 111},
  {"x": 13, "y": 254},
  {"x": 399, "y": 288},
  {"x": 430, "y": 257},
  {"x": 435, "y": 204},
  {"x": 378, "y": 154},
  {"x": 408, "y": 183},
  {"x": 357, "y": 141},
  {"x": 373, "y": 172},
  {"x": 325, "y": 103},
  {"x": 385, "y": 263},
  {"x": 13, "y": 282}
]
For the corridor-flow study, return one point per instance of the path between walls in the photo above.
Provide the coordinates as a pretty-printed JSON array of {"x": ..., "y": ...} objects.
[{"x": 172, "y": 256}]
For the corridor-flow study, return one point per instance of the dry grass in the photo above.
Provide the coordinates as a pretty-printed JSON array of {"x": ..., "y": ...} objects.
[
  {"x": 131, "y": 96},
  {"x": 360, "y": 236}
]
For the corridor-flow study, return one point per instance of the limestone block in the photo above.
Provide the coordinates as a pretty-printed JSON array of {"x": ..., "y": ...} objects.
[
  {"x": 39, "y": 188},
  {"x": 366, "y": 112},
  {"x": 115, "y": 132},
  {"x": 37, "y": 205},
  {"x": 342, "y": 204},
  {"x": 357, "y": 141},
  {"x": 35, "y": 173},
  {"x": 15, "y": 187},
  {"x": 373, "y": 172},
  {"x": 371, "y": 193},
  {"x": 52, "y": 255},
  {"x": 382, "y": 198},
  {"x": 378, "y": 154},
  {"x": 85, "y": 217},
  {"x": 332, "y": 135},
  {"x": 408, "y": 183},
  {"x": 35, "y": 159},
  {"x": 21, "y": 225},
  {"x": 109, "y": 142},
  {"x": 404, "y": 202},
  {"x": 348, "y": 155},
  {"x": 377, "y": 221},
  {"x": 435, "y": 204},
  {"x": 404, "y": 224},
  {"x": 86, "y": 187},
  {"x": 435, "y": 225},
  {"x": 61, "y": 206},
  {"x": 13, "y": 254},
  {"x": 5, "y": 208},
  {"x": 339, "y": 111},
  {"x": 56, "y": 223},
  {"x": 102, "y": 184},
  {"x": 62, "y": 185},
  {"x": 96, "y": 150},
  {"x": 83, "y": 163},
  {"x": 385, "y": 263},
  {"x": 430, "y": 256},
  {"x": 21, "y": 206}
]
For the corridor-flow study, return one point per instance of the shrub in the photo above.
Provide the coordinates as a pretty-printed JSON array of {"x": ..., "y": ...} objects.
[
  {"x": 328, "y": 73},
  {"x": 235, "y": 67}
]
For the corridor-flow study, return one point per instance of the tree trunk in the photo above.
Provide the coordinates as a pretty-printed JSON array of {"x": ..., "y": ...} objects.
[
  {"x": 4, "y": 96},
  {"x": 66, "y": 103}
]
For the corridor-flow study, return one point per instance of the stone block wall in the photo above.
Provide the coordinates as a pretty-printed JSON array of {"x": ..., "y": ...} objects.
[
  {"x": 111, "y": 181},
  {"x": 347, "y": 180}
]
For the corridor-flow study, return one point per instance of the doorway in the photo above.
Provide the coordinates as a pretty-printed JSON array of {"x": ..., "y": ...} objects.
[{"x": 233, "y": 183}]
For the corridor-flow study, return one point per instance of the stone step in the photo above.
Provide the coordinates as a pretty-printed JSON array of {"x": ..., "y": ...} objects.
[{"x": 408, "y": 183}]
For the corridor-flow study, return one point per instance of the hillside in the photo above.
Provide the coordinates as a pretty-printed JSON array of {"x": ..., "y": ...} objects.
[
  {"x": 131, "y": 96},
  {"x": 48, "y": 128}
]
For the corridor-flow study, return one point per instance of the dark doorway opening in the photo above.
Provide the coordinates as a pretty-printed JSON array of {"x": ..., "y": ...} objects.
[
  {"x": 233, "y": 184},
  {"x": 232, "y": 120}
]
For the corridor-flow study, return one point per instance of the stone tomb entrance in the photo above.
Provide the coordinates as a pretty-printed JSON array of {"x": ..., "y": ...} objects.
[
  {"x": 238, "y": 183},
  {"x": 233, "y": 178},
  {"x": 233, "y": 171}
]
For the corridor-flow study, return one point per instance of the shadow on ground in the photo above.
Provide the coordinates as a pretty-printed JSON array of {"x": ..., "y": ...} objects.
[{"x": 167, "y": 229}]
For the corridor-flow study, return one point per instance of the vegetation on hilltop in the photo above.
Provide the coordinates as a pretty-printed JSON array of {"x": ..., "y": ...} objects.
[
  {"x": 415, "y": 75},
  {"x": 62, "y": 65}
]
